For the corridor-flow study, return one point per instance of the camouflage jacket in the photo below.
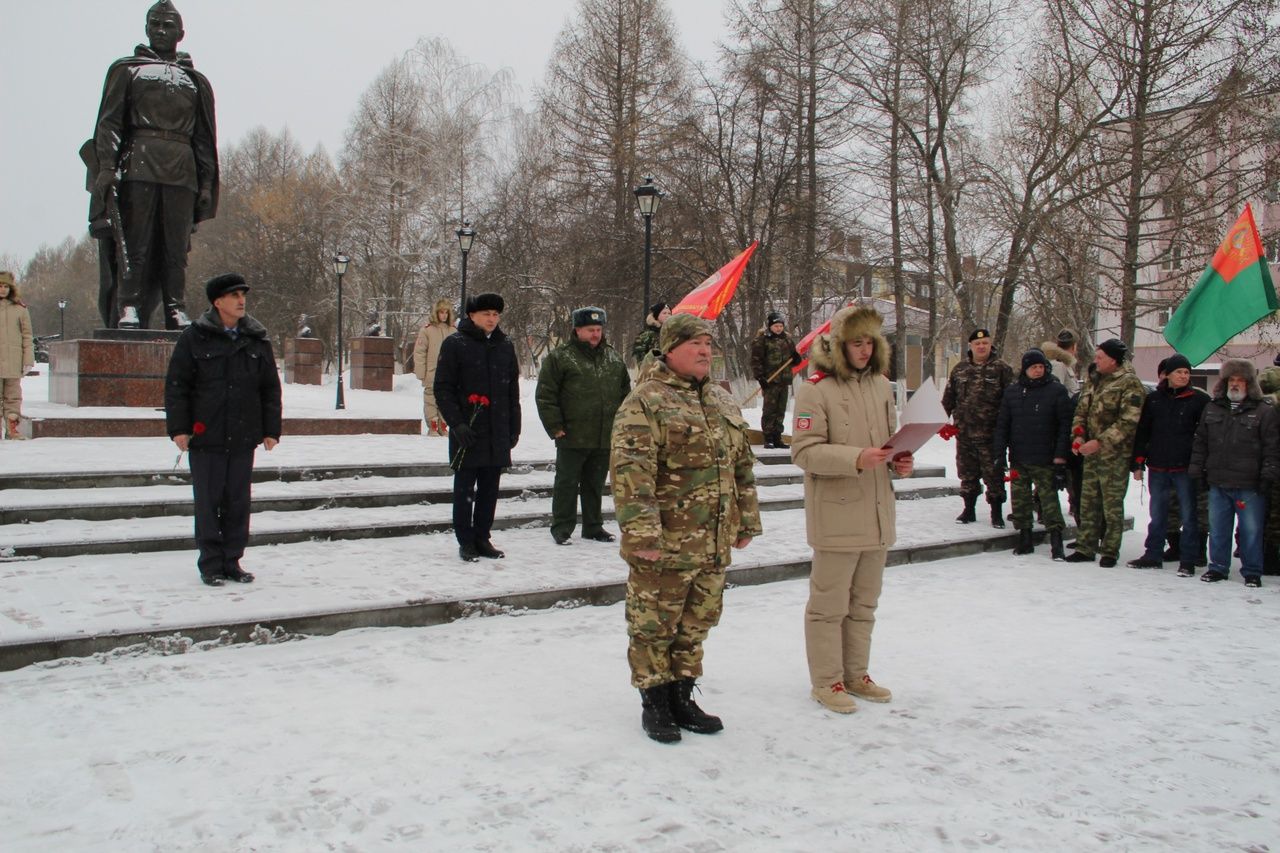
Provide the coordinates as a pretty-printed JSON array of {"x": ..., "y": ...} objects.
[
  {"x": 681, "y": 471},
  {"x": 973, "y": 395},
  {"x": 769, "y": 352},
  {"x": 1109, "y": 409},
  {"x": 645, "y": 343}
]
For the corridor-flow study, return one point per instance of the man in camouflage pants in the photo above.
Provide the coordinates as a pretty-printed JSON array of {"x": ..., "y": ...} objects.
[
  {"x": 1102, "y": 432},
  {"x": 684, "y": 494},
  {"x": 972, "y": 399},
  {"x": 772, "y": 356}
]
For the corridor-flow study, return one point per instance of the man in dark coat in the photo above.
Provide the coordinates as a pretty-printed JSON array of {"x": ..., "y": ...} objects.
[
  {"x": 477, "y": 388},
  {"x": 580, "y": 386},
  {"x": 972, "y": 399},
  {"x": 1034, "y": 428},
  {"x": 1237, "y": 450},
  {"x": 1162, "y": 449},
  {"x": 772, "y": 356},
  {"x": 155, "y": 148},
  {"x": 221, "y": 400}
]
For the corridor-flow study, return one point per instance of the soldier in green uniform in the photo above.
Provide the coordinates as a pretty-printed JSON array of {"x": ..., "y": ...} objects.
[
  {"x": 684, "y": 494},
  {"x": 972, "y": 399},
  {"x": 647, "y": 341},
  {"x": 580, "y": 386},
  {"x": 1102, "y": 432},
  {"x": 772, "y": 356}
]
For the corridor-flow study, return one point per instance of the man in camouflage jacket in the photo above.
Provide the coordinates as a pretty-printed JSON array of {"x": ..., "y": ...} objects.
[
  {"x": 772, "y": 356},
  {"x": 684, "y": 494},
  {"x": 1103, "y": 430},
  {"x": 972, "y": 399}
]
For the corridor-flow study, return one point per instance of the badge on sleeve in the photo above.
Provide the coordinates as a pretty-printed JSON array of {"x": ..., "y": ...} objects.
[{"x": 804, "y": 421}]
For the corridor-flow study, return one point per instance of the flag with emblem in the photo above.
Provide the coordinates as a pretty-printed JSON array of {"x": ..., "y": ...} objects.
[
  {"x": 708, "y": 299},
  {"x": 1233, "y": 293}
]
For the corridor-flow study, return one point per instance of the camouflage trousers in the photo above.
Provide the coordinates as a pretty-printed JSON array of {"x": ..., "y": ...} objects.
[
  {"x": 775, "y": 409},
  {"x": 1102, "y": 490},
  {"x": 974, "y": 461},
  {"x": 1040, "y": 476},
  {"x": 669, "y": 614}
]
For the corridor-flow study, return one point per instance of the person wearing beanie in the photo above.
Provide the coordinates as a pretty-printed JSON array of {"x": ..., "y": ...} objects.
[
  {"x": 1033, "y": 430},
  {"x": 426, "y": 354},
  {"x": 647, "y": 341},
  {"x": 580, "y": 385},
  {"x": 773, "y": 354},
  {"x": 1102, "y": 433},
  {"x": 844, "y": 416},
  {"x": 1237, "y": 452},
  {"x": 685, "y": 496},
  {"x": 972, "y": 400},
  {"x": 477, "y": 391},
  {"x": 221, "y": 400},
  {"x": 17, "y": 352},
  {"x": 1161, "y": 454}
]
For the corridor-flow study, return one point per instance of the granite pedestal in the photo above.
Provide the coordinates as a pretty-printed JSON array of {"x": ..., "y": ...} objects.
[
  {"x": 303, "y": 359},
  {"x": 373, "y": 363}
]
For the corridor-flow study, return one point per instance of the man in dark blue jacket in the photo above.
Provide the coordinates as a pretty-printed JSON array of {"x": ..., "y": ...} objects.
[
  {"x": 221, "y": 400},
  {"x": 477, "y": 390},
  {"x": 1033, "y": 427},
  {"x": 1162, "y": 446}
]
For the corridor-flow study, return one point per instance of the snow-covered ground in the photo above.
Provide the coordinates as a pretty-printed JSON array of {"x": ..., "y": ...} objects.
[{"x": 1037, "y": 706}]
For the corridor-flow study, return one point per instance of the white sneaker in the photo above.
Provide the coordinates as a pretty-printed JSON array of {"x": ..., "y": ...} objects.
[{"x": 834, "y": 698}]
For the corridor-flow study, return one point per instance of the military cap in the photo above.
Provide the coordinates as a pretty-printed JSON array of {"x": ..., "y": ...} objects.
[
  {"x": 589, "y": 316},
  {"x": 979, "y": 335},
  {"x": 680, "y": 328},
  {"x": 221, "y": 285},
  {"x": 164, "y": 7}
]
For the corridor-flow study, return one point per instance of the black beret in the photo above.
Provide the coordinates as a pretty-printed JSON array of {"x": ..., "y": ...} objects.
[
  {"x": 979, "y": 334},
  {"x": 221, "y": 285},
  {"x": 589, "y": 316},
  {"x": 485, "y": 302}
]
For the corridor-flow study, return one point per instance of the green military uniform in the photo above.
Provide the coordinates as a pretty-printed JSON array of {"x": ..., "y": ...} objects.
[
  {"x": 682, "y": 485},
  {"x": 579, "y": 390},
  {"x": 972, "y": 399},
  {"x": 1109, "y": 409},
  {"x": 771, "y": 358},
  {"x": 1040, "y": 476}
]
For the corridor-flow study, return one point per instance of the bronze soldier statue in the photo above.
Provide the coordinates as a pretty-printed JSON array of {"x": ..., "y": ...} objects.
[{"x": 155, "y": 158}]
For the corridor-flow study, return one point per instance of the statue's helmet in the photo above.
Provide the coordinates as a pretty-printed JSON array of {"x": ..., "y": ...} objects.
[{"x": 164, "y": 7}]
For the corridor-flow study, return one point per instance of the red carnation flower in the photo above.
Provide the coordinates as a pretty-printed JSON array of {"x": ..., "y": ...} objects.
[
  {"x": 1012, "y": 475},
  {"x": 198, "y": 428},
  {"x": 483, "y": 400},
  {"x": 1239, "y": 504},
  {"x": 1078, "y": 430},
  {"x": 473, "y": 399}
]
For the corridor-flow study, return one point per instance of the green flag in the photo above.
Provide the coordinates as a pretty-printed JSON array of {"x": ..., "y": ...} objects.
[{"x": 1233, "y": 293}]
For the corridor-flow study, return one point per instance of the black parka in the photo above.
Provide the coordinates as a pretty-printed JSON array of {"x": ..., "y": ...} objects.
[
  {"x": 1034, "y": 423},
  {"x": 224, "y": 392},
  {"x": 471, "y": 364},
  {"x": 1237, "y": 449},
  {"x": 1167, "y": 428}
]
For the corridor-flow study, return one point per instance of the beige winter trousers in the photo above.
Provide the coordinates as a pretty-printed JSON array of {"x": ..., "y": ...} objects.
[
  {"x": 12, "y": 397},
  {"x": 430, "y": 412},
  {"x": 844, "y": 590}
]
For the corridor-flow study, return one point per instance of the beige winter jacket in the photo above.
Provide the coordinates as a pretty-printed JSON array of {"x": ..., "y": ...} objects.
[
  {"x": 426, "y": 350},
  {"x": 16, "y": 347},
  {"x": 838, "y": 412}
]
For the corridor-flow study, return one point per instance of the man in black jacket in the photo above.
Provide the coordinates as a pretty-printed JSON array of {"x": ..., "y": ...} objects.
[
  {"x": 477, "y": 390},
  {"x": 221, "y": 400},
  {"x": 1162, "y": 446}
]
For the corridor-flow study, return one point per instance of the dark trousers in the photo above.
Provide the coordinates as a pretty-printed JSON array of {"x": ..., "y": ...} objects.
[
  {"x": 580, "y": 473},
  {"x": 157, "y": 233},
  {"x": 475, "y": 500},
  {"x": 220, "y": 484},
  {"x": 1164, "y": 487}
]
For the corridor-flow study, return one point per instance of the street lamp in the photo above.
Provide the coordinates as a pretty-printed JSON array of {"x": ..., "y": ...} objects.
[
  {"x": 466, "y": 236},
  {"x": 62, "y": 319},
  {"x": 647, "y": 197},
  {"x": 340, "y": 262}
]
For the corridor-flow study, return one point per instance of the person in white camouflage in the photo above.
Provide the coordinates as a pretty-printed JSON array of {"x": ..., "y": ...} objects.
[{"x": 684, "y": 494}]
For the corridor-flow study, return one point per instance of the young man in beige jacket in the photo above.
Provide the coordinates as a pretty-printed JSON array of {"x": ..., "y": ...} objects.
[
  {"x": 426, "y": 352},
  {"x": 844, "y": 415}
]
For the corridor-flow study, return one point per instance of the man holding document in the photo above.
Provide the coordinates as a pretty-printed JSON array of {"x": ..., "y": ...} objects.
[{"x": 844, "y": 421}]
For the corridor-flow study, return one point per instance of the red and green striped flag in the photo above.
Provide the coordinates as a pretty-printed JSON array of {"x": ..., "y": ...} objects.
[{"x": 1233, "y": 293}]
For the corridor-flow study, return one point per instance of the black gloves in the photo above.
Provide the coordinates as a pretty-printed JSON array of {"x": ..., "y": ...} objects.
[
  {"x": 465, "y": 435},
  {"x": 1059, "y": 477}
]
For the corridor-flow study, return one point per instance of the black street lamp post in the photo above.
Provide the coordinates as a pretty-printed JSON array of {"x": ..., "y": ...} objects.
[
  {"x": 647, "y": 197},
  {"x": 466, "y": 236},
  {"x": 340, "y": 262},
  {"x": 62, "y": 319}
]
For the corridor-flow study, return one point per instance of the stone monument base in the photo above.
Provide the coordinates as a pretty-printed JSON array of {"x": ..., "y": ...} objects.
[
  {"x": 373, "y": 363},
  {"x": 303, "y": 359},
  {"x": 119, "y": 367}
]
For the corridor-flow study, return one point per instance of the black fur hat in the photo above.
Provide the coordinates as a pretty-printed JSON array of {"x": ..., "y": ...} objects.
[{"x": 485, "y": 302}]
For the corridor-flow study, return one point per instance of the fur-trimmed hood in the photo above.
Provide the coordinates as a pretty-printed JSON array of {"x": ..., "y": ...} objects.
[
  {"x": 1238, "y": 367},
  {"x": 435, "y": 312},
  {"x": 852, "y": 322},
  {"x": 1053, "y": 352},
  {"x": 652, "y": 321}
]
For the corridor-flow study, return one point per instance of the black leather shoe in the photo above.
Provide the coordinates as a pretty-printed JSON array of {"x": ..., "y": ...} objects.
[
  {"x": 600, "y": 536},
  {"x": 561, "y": 538},
  {"x": 1107, "y": 562},
  {"x": 469, "y": 553},
  {"x": 1077, "y": 557},
  {"x": 486, "y": 549},
  {"x": 239, "y": 575},
  {"x": 212, "y": 580}
]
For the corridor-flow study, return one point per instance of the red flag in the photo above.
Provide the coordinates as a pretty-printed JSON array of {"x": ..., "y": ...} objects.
[{"x": 708, "y": 299}]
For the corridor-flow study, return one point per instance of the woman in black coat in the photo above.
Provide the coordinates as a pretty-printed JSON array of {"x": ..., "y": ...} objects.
[{"x": 477, "y": 390}]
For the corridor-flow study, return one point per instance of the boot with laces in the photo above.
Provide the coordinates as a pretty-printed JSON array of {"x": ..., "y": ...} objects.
[
  {"x": 656, "y": 716},
  {"x": 834, "y": 698},
  {"x": 865, "y": 688},
  {"x": 687, "y": 714}
]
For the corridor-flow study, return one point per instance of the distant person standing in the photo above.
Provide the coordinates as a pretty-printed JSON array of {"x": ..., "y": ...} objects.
[
  {"x": 17, "y": 351},
  {"x": 426, "y": 352},
  {"x": 772, "y": 355},
  {"x": 647, "y": 341},
  {"x": 477, "y": 388},
  {"x": 221, "y": 400},
  {"x": 580, "y": 386},
  {"x": 972, "y": 399},
  {"x": 1061, "y": 353}
]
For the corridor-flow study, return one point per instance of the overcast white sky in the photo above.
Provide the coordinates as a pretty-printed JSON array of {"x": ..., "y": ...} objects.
[{"x": 295, "y": 63}]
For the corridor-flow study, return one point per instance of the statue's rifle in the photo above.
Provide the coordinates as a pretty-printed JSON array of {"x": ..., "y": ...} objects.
[{"x": 117, "y": 232}]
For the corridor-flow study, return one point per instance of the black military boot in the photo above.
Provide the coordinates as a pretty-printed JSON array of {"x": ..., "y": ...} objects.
[
  {"x": 969, "y": 516},
  {"x": 656, "y": 717},
  {"x": 686, "y": 712},
  {"x": 997, "y": 515},
  {"x": 1024, "y": 545},
  {"x": 1055, "y": 545},
  {"x": 1173, "y": 554}
]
